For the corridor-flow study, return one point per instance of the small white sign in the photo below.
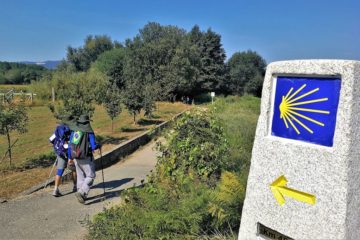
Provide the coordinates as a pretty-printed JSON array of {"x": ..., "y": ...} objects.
[{"x": 212, "y": 94}]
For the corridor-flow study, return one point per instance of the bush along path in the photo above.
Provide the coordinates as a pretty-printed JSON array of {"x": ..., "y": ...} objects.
[
  {"x": 192, "y": 194},
  {"x": 41, "y": 216}
]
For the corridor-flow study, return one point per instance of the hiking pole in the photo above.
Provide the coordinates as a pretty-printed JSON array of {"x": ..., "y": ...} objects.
[
  {"x": 52, "y": 169},
  {"x": 102, "y": 171}
]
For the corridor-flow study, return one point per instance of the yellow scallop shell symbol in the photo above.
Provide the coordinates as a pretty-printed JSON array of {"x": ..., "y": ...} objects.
[{"x": 289, "y": 111}]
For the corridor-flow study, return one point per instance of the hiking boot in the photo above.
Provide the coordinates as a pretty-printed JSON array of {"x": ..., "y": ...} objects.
[
  {"x": 80, "y": 197},
  {"x": 56, "y": 193},
  {"x": 74, "y": 189}
]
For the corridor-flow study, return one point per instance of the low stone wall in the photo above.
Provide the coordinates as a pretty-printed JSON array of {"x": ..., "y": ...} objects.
[
  {"x": 116, "y": 154},
  {"x": 128, "y": 147}
]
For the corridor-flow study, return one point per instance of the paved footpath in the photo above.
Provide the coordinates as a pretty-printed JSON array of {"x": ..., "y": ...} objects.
[{"x": 42, "y": 216}]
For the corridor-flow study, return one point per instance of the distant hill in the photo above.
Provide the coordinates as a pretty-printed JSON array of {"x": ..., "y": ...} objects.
[{"x": 45, "y": 64}]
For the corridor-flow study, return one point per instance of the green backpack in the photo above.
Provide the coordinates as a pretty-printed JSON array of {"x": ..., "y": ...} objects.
[{"x": 80, "y": 146}]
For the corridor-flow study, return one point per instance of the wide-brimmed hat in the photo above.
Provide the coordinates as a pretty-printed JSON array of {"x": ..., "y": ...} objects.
[
  {"x": 83, "y": 119},
  {"x": 83, "y": 124},
  {"x": 69, "y": 120}
]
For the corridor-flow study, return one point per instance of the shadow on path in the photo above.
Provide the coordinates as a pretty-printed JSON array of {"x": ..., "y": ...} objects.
[
  {"x": 113, "y": 184},
  {"x": 100, "y": 197}
]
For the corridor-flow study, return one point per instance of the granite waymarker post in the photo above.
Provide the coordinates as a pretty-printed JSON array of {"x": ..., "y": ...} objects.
[{"x": 304, "y": 180}]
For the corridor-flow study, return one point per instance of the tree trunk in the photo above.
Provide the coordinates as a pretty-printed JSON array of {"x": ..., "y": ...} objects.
[
  {"x": 112, "y": 125},
  {"x": 134, "y": 118},
  {"x": 9, "y": 143}
]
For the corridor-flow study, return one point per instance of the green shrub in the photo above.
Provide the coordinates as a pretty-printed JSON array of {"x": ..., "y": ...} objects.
[
  {"x": 196, "y": 144},
  {"x": 155, "y": 212}
]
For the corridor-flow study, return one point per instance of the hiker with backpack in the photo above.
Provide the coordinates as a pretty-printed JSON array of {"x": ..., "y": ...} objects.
[
  {"x": 60, "y": 140},
  {"x": 81, "y": 148}
]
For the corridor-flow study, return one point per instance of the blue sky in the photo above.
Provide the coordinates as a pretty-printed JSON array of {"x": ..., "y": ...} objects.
[{"x": 37, "y": 30}]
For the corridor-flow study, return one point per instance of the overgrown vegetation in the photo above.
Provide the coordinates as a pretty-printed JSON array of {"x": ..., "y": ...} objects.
[
  {"x": 197, "y": 189},
  {"x": 240, "y": 115}
]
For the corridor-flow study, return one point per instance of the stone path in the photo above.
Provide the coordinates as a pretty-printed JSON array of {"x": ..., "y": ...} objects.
[{"x": 41, "y": 216}]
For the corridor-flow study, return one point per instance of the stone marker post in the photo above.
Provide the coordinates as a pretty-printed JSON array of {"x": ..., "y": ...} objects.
[{"x": 304, "y": 179}]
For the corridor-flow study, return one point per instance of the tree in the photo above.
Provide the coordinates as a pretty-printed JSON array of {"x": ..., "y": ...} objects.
[
  {"x": 112, "y": 103},
  {"x": 112, "y": 63},
  {"x": 212, "y": 56},
  {"x": 133, "y": 98},
  {"x": 245, "y": 69},
  {"x": 184, "y": 69},
  {"x": 13, "y": 76},
  {"x": 150, "y": 54},
  {"x": 13, "y": 117},
  {"x": 149, "y": 99},
  {"x": 82, "y": 57},
  {"x": 77, "y": 91}
]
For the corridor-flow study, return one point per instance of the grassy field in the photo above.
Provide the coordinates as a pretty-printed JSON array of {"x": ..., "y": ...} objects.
[
  {"x": 34, "y": 143},
  {"x": 239, "y": 115},
  {"x": 6, "y": 87}
]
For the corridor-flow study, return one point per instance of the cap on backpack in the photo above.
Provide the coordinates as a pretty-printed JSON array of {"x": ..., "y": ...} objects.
[
  {"x": 70, "y": 121},
  {"x": 83, "y": 124}
]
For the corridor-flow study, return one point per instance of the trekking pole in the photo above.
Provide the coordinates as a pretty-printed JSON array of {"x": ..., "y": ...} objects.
[
  {"x": 102, "y": 171},
  {"x": 52, "y": 169}
]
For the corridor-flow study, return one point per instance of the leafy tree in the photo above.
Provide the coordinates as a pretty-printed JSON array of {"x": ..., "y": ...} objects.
[
  {"x": 149, "y": 99},
  {"x": 18, "y": 73},
  {"x": 112, "y": 102},
  {"x": 112, "y": 64},
  {"x": 133, "y": 98},
  {"x": 150, "y": 56},
  {"x": 13, "y": 117},
  {"x": 184, "y": 69},
  {"x": 254, "y": 86},
  {"x": 2, "y": 78},
  {"x": 243, "y": 68},
  {"x": 13, "y": 76},
  {"x": 82, "y": 57},
  {"x": 212, "y": 57},
  {"x": 77, "y": 91}
]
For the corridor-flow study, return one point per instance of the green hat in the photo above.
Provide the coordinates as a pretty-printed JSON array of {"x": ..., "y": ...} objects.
[
  {"x": 83, "y": 124},
  {"x": 69, "y": 120}
]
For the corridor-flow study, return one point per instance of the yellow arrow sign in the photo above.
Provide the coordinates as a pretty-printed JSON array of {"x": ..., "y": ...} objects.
[{"x": 278, "y": 187}]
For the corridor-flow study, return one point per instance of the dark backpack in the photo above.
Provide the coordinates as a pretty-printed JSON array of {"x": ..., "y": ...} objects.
[
  {"x": 80, "y": 146},
  {"x": 59, "y": 139}
]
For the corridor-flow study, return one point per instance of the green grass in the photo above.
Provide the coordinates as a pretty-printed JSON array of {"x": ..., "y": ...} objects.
[
  {"x": 239, "y": 115},
  {"x": 6, "y": 87}
]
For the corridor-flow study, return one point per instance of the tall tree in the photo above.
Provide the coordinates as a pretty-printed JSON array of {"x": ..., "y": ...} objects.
[
  {"x": 152, "y": 51},
  {"x": 246, "y": 70},
  {"x": 13, "y": 117},
  {"x": 112, "y": 64},
  {"x": 78, "y": 92},
  {"x": 134, "y": 98},
  {"x": 82, "y": 57},
  {"x": 212, "y": 57},
  {"x": 112, "y": 102}
]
